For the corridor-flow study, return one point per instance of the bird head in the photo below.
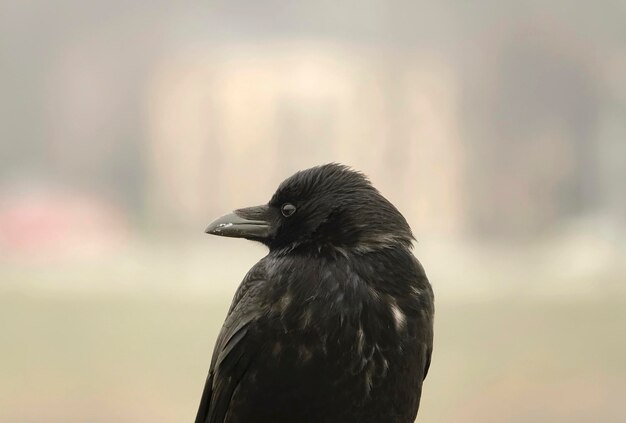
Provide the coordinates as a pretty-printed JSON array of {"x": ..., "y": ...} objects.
[{"x": 328, "y": 206}]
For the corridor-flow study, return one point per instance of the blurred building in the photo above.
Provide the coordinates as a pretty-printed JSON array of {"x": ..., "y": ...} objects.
[
  {"x": 261, "y": 111},
  {"x": 531, "y": 113},
  {"x": 471, "y": 124}
]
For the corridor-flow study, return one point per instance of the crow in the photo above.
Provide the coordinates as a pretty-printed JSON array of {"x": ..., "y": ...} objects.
[{"x": 335, "y": 324}]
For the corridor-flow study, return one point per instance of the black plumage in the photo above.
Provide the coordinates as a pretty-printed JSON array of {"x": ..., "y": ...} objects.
[{"x": 335, "y": 324}]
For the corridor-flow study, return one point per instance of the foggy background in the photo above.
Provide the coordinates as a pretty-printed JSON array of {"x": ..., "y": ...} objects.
[{"x": 497, "y": 127}]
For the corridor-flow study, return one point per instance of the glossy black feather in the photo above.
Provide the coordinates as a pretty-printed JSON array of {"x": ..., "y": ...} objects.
[{"x": 335, "y": 323}]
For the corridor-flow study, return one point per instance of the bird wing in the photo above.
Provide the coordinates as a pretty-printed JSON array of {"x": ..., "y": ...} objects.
[{"x": 233, "y": 353}]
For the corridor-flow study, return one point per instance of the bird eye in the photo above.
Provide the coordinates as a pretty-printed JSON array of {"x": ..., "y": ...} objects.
[{"x": 288, "y": 209}]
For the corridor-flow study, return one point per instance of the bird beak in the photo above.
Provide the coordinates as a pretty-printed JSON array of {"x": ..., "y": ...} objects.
[{"x": 249, "y": 223}]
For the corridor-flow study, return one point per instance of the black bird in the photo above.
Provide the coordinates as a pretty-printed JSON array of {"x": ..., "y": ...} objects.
[{"x": 335, "y": 324}]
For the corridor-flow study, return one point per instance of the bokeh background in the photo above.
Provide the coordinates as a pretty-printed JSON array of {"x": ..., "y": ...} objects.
[{"x": 497, "y": 127}]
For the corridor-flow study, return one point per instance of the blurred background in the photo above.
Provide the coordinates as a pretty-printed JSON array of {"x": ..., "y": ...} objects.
[{"x": 497, "y": 127}]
